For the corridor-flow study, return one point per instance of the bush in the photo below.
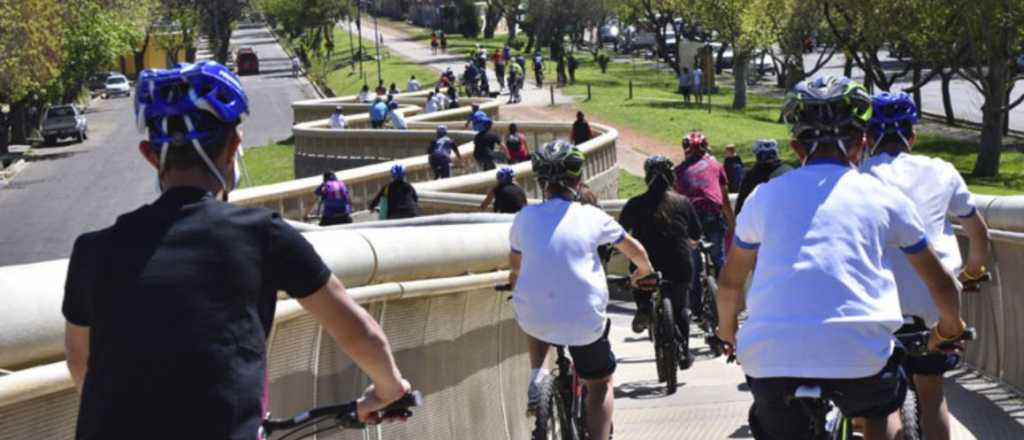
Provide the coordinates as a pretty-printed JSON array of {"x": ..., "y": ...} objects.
[
  {"x": 518, "y": 43},
  {"x": 602, "y": 61},
  {"x": 469, "y": 22}
]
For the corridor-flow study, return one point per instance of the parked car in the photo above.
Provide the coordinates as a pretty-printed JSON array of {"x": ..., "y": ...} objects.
[
  {"x": 62, "y": 121},
  {"x": 98, "y": 82},
  {"x": 117, "y": 85},
  {"x": 246, "y": 61},
  {"x": 609, "y": 33}
]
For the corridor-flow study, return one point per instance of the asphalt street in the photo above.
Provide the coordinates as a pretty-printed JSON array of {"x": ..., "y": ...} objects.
[{"x": 75, "y": 188}]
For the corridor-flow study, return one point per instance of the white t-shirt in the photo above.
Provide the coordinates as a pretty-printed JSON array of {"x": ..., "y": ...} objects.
[
  {"x": 562, "y": 292},
  {"x": 937, "y": 190},
  {"x": 364, "y": 96},
  {"x": 337, "y": 120},
  {"x": 430, "y": 106},
  {"x": 398, "y": 121},
  {"x": 412, "y": 86},
  {"x": 822, "y": 304}
]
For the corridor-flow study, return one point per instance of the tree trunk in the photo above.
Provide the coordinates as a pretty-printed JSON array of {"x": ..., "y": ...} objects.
[
  {"x": 3, "y": 138},
  {"x": 917, "y": 93},
  {"x": 17, "y": 121},
  {"x": 848, "y": 66},
  {"x": 987, "y": 164},
  {"x": 740, "y": 67},
  {"x": 947, "y": 100},
  {"x": 493, "y": 16},
  {"x": 510, "y": 22},
  {"x": 531, "y": 38}
]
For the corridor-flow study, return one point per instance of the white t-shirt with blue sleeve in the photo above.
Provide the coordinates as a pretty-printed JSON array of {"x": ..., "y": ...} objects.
[
  {"x": 822, "y": 303},
  {"x": 562, "y": 293}
]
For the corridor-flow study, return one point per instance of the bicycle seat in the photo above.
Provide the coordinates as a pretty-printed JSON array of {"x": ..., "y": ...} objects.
[{"x": 807, "y": 392}]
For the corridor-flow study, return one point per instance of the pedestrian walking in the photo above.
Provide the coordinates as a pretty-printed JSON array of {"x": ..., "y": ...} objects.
[
  {"x": 573, "y": 64},
  {"x": 581, "y": 130},
  {"x": 686, "y": 84},
  {"x": 698, "y": 84},
  {"x": 444, "y": 42},
  {"x": 434, "y": 43}
]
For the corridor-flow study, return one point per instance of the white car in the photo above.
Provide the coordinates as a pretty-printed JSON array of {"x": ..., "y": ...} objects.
[{"x": 117, "y": 85}]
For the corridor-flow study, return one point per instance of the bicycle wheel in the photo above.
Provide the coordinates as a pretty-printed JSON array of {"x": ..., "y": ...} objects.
[
  {"x": 573, "y": 426},
  {"x": 710, "y": 312},
  {"x": 547, "y": 425},
  {"x": 666, "y": 349},
  {"x": 910, "y": 417}
]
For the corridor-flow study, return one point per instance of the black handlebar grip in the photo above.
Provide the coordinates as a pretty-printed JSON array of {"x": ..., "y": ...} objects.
[{"x": 969, "y": 334}]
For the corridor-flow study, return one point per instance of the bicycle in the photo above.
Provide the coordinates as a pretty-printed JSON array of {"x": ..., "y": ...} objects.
[
  {"x": 342, "y": 416},
  {"x": 663, "y": 332},
  {"x": 828, "y": 421},
  {"x": 708, "y": 313}
]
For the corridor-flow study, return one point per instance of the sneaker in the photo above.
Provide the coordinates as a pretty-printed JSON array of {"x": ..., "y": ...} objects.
[{"x": 641, "y": 320}]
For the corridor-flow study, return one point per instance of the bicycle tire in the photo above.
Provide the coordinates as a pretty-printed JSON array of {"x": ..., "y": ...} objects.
[
  {"x": 666, "y": 348},
  {"x": 910, "y": 417},
  {"x": 572, "y": 428},
  {"x": 710, "y": 312},
  {"x": 546, "y": 426}
]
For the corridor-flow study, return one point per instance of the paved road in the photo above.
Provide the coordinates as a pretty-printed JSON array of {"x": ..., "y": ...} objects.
[
  {"x": 76, "y": 188},
  {"x": 967, "y": 101}
]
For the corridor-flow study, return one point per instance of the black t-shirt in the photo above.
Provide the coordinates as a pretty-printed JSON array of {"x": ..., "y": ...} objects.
[
  {"x": 760, "y": 173},
  {"x": 179, "y": 297},
  {"x": 664, "y": 232},
  {"x": 402, "y": 199},
  {"x": 509, "y": 198},
  {"x": 484, "y": 143},
  {"x": 580, "y": 132}
]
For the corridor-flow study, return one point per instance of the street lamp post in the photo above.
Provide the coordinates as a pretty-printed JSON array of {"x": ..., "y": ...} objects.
[
  {"x": 359, "y": 29},
  {"x": 376, "y": 42}
]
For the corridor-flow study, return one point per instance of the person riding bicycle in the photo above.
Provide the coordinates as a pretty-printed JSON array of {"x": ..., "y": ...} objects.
[
  {"x": 439, "y": 153},
  {"x": 169, "y": 309},
  {"x": 335, "y": 202},
  {"x": 703, "y": 180},
  {"x": 665, "y": 223},
  {"x": 768, "y": 166},
  {"x": 397, "y": 199},
  {"x": 822, "y": 306},
  {"x": 559, "y": 291},
  {"x": 515, "y": 81},
  {"x": 938, "y": 192},
  {"x": 296, "y": 66},
  {"x": 507, "y": 196},
  {"x": 515, "y": 144}
]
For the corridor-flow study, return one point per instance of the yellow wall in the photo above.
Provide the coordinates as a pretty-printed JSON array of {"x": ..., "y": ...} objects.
[{"x": 155, "y": 57}]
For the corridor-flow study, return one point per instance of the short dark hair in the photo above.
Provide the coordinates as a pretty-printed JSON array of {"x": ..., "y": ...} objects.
[
  {"x": 893, "y": 140},
  {"x": 181, "y": 155}
]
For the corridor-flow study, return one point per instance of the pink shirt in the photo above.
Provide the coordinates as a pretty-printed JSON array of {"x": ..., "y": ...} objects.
[{"x": 701, "y": 181}]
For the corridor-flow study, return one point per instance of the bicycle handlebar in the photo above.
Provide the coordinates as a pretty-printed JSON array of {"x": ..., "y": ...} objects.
[
  {"x": 971, "y": 286},
  {"x": 344, "y": 415},
  {"x": 916, "y": 343}
]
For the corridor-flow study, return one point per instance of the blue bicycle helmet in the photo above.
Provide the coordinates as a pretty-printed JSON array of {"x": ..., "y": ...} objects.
[
  {"x": 187, "y": 91},
  {"x": 505, "y": 175},
  {"x": 398, "y": 171},
  {"x": 766, "y": 149},
  {"x": 893, "y": 114}
]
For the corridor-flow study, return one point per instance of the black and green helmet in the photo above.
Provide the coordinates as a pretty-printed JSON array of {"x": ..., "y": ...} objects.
[
  {"x": 558, "y": 162},
  {"x": 827, "y": 109}
]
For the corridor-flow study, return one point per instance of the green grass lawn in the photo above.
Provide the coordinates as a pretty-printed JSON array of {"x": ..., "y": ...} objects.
[
  {"x": 345, "y": 79},
  {"x": 630, "y": 185},
  {"x": 270, "y": 163}
]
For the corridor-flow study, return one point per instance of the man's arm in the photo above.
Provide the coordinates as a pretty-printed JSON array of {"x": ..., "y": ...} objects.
[
  {"x": 730, "y": 217},
  {"x": 76, "y": 351},
  {"x": 943, "y": 289},
  {"x": 637, "y": 255},
  {"x": 359, "y": 336},
  {"x": 487, "y": 200},
  {"x": 739, "y": 263},
  {"x": 515, "y": 262},
  {"x": 977, "y": 237},
  {"x": 376, "y": 199}
]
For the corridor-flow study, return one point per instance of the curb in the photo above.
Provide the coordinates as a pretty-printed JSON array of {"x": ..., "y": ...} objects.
[{"x": 965, "y": 124}]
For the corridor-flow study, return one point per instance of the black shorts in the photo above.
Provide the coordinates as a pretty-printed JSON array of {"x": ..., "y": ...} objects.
[
  {"x": 931, "y": 364},
  {"x": 594, "y": 360},
  {"x": 877, "y": 396},
  {"x": 376, "y": 124},
  {"x": 685, "y": 90}
]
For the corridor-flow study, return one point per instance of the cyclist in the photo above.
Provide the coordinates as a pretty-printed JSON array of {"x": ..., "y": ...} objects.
[
  {"x": 665, "y": 223},
  {"x": 397, "y": 118},
  {"x": 397, "y": 199},
  {"x": 439, "y": 153},
  {"x": 702, "y": 179},
  {"x": 581, "y": 131},
  {"x": 515, "y": 82},
  {"x": 538, "y": 68},
  {"x": 337, "y": 119},
  {"x": 477, "y": 118},
  {"x": 170, "y": 308},
  {"x": 515, "y": 145},
  {"x": 823, "y": 306},
  {"x": 335, "y": 202},
  {"x": 507, "y": 196},
  {"x": 413, "y": 85},
  {"x": 484, "y": 144},
  {"x": 937, "y": 191},
  {"x": 560, "y": 292},
  {"x": 378, "y": 113},
  {"x": 296, "y": 67},
  {"x": 768, "y": 166}
]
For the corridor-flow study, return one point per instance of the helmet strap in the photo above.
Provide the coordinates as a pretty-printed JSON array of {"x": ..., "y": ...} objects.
[{"x": 206, "y": 159}]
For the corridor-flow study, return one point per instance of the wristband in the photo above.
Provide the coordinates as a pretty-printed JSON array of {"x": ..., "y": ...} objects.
[
  {"x": 980, "y": 274},
  {"x": 963, "y": 326}
]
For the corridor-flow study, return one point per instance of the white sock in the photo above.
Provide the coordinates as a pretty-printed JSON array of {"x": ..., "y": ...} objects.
[{"x": 537, "y": 374}]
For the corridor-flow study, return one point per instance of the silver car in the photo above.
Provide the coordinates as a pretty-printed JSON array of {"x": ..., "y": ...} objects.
[
  {"x": 117, "y": 85},
  {"x": 63, "y": 121}
]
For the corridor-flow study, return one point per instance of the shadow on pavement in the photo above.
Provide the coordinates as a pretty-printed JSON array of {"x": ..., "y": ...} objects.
[
  {"x": 641, "y": 390},
  {"x": 742, "y": 432}
]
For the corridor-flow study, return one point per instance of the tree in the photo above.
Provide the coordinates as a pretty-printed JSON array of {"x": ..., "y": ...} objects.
[
  {"x": 658, "y": 17},
  {"x": 744, "y": 25},
  {"x": 791, "y": 23},
  {"x": 218, "y": 19},
  {"x": 510, "y": 9},
  {"x": 863, "y": 28},
  {"x": 30, "y": 56},
  {"x": 96, "y": 33},
  {"x": 469, "y": 22}
]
